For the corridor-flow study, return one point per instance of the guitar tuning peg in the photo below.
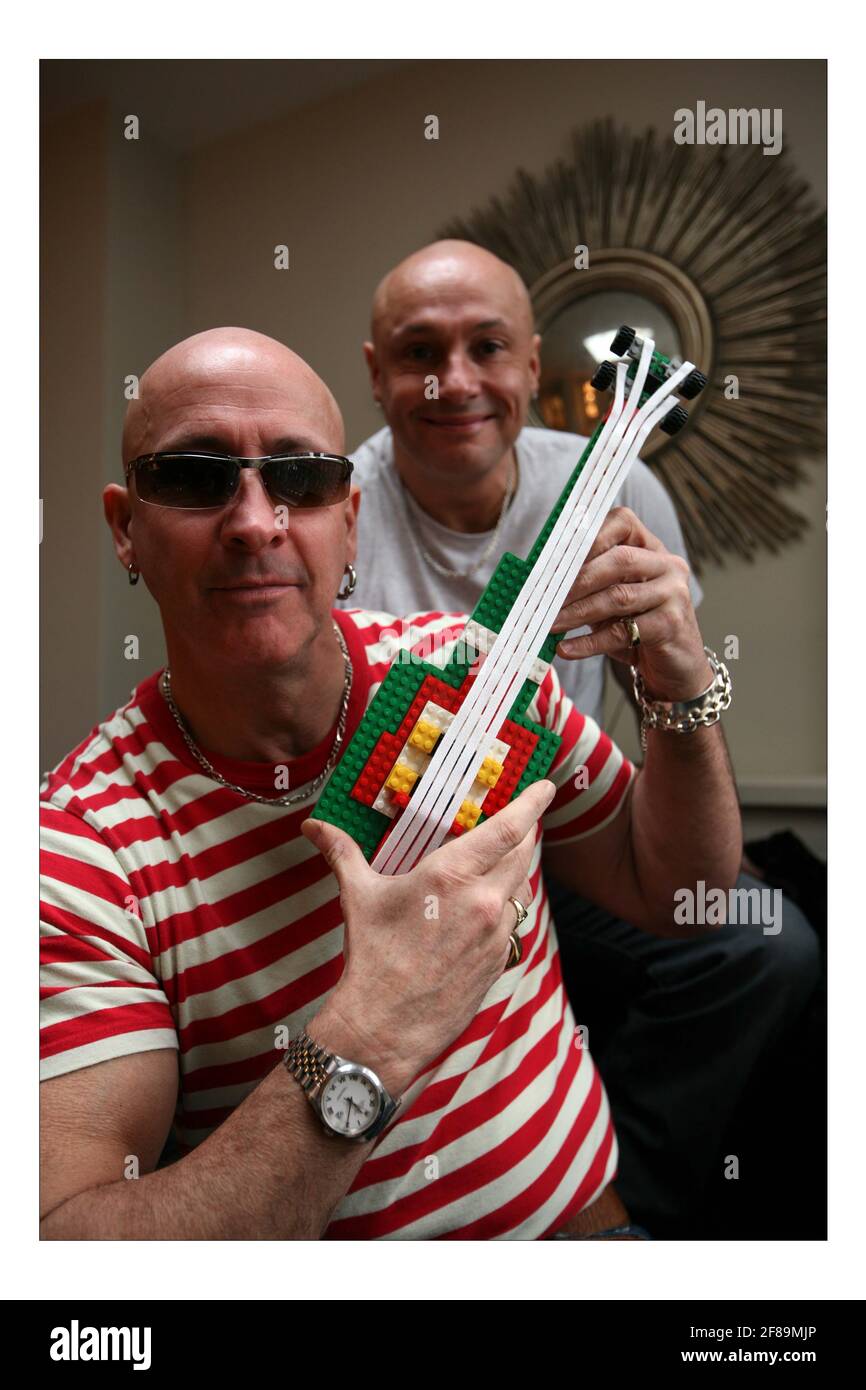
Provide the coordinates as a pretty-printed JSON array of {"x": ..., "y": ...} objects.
[
  {"x": 605, "y": 375},
  {"x": 693, "y": 384},
  {"x": 674, "y": 420},
  {"x": 625, "y": 339}
]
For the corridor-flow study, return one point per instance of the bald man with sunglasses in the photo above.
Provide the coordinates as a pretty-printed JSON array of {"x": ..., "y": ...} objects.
[{"x": 220, "y": 968}]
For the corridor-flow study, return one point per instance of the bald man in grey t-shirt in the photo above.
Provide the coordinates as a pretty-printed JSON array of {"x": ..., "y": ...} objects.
[{"x": 677, "y": 1027}]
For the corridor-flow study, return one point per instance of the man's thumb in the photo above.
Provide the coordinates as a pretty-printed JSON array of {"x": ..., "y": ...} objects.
[{"x": 337, "y": 847}]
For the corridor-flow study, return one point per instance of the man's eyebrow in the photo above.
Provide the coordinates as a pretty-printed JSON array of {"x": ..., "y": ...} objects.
[{"x": 427, "y": 326}]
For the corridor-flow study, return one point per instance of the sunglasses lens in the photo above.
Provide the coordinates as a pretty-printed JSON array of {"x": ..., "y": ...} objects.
[
  {"x": 185, "y": 480},
  {"x": 308, "y": 482}
]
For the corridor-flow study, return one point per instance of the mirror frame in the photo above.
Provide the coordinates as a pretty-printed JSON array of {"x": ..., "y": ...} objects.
[
  {"x": 638, "y": 272},
  {"x": 733, "y": 245}
]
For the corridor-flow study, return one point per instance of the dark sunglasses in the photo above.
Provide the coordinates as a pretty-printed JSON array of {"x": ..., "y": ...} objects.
[{"x": 197, "y": 481}]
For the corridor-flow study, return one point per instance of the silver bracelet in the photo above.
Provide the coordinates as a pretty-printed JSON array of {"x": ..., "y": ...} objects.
[{"x": 684, "y": 716}]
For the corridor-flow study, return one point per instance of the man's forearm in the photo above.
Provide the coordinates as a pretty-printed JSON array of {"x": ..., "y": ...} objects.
[
  {"x": 269, "y": 1172},
  {"x": 685, "y": 818}
]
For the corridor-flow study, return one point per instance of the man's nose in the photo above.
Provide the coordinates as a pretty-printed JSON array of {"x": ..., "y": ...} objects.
[
  {"x": 252, "y": 518},
  {"x": 459, "y": 377}
]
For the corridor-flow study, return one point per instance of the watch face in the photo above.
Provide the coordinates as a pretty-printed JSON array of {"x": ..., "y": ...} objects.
[{"x": 349, "y": 1102}]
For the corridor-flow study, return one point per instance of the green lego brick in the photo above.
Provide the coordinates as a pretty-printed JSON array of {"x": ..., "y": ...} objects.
[{"x": 502, "y": 589}]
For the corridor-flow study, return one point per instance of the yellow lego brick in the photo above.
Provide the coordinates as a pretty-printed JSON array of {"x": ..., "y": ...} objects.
[
  {"x": 468, "y": 814},
  {"x": 401, "y": 777},
  {"x": 424, "y": 735},
  {"x": 490, "y": 772}
]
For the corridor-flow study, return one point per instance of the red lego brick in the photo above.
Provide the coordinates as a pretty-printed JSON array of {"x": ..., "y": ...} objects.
[{"x": 376, "y": 768}]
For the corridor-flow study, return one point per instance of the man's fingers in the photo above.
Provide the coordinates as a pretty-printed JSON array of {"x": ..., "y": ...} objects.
[
  {"x": 622, "y": 527},
  {"x": 620, "y": 600},
  {"x": 514, "y": 867},
  {"x": 488, "y": 844}
]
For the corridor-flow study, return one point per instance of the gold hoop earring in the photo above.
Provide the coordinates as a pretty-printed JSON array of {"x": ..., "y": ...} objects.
[{"x": 353, "y": 579}]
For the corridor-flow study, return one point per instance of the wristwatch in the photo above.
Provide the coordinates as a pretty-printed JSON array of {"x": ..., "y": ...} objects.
[{"x": 348, "y": 1098}]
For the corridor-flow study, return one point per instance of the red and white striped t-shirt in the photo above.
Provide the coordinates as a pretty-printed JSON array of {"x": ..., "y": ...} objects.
[{"x": 177, "y": 913}]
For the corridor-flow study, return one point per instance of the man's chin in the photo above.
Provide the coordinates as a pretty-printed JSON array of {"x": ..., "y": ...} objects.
[
  {"x": 261, "y": 639},
  {"x": 453, "y": 456},
  {"x": 263, "y": 657}
]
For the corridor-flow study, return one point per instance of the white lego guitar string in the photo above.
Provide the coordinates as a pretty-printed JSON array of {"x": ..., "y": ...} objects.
[{"x": 529, "y": 621}]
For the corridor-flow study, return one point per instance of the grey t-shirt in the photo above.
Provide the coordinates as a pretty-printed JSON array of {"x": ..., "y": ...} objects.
[{"x": 394, "y": 577}]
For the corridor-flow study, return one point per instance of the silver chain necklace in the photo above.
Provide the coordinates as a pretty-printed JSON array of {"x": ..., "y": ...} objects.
[
  {"x": 437, "y": 564},
  {"x": 290, "y": 799}
]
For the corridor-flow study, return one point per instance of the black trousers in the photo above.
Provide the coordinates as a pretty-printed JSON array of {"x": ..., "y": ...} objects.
[{"x": 677, "y": 1029}]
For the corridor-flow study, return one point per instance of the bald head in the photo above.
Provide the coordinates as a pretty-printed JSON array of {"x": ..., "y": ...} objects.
[
  {"x": 449, "y": 270},
  {"x": 229, "y": 385},
  {"x": 453, "y": 362}
]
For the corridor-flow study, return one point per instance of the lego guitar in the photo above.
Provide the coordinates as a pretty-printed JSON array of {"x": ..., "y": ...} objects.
[{"x": 442, "y": 747}]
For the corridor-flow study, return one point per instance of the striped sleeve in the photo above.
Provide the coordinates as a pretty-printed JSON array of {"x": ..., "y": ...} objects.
[
  {"x": 99, "y": 994},
  {"x": 592, "y": 775}
]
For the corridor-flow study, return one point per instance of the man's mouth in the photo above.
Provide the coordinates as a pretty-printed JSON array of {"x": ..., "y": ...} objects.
[
  {"x": 260, "y": 584},
  {"x": 456, "y": 423},
  {"x": 253, "y": 589}
]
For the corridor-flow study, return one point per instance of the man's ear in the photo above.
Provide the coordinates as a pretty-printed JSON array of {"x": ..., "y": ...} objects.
[
  {"x": 353, "y": 502},
  {"x": 535, "y": 361},
  {"x": 118, "y": 514},
  {"x": 373, "y": 369}
]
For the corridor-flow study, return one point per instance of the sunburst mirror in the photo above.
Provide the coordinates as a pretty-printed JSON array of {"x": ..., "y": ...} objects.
[{"x": 718, "y": 252}]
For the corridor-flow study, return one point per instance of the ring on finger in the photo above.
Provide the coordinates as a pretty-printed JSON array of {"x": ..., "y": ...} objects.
[
  {"x": 521, "y": 911},
  {"x": 515, "y": 951},
  {"x": 515, "y": 945},
  {"x": 633, "y": 631}
]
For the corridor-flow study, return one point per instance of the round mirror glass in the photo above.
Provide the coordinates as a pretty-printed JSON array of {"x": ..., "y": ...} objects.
[{"x": 577, "y": 339}]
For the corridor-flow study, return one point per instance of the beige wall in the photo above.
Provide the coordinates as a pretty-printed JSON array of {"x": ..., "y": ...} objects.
[
  {"x": 351, "y": 185},
  {"x": 111, "y": 300},
  {"x": 73, "y": 204},
  {"x": 144, "y": 314}
]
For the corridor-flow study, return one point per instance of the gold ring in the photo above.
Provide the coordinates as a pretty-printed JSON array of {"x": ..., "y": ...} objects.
[
  {"x": 515, "y": 951},
  {"x": 515, "y": 945},
  {"x": 633, "y": 631},
  {"x": 521, "y": 911}
]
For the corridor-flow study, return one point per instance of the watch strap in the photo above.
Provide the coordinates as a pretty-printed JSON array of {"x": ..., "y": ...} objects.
[{"x": 309, "y": 1063}]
